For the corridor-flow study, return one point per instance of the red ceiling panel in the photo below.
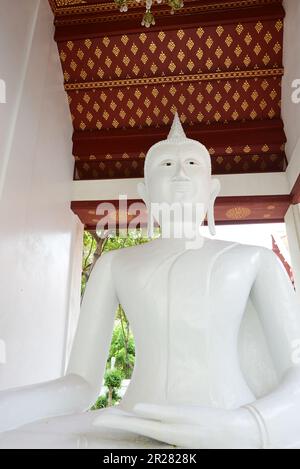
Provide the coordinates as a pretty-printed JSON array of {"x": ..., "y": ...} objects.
[
  {"x": 249, "y": 46},
  {"x": 221, "y": 69}
]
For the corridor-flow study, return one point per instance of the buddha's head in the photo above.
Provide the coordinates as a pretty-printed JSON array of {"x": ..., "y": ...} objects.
[{"x": 178, "y": 170}]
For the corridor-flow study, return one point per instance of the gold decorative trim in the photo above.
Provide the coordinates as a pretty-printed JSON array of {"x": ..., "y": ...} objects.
[
  {"x": 111, "y": 6},
  {"x": 174, "y": 79},
  {"x": 69, "y": 3}
]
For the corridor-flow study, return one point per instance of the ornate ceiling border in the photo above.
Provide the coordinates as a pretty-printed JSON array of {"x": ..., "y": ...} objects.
[
  {"x": 80, "y": 7},
  {"x": 174, "y": 79},
  {"x": 228, "y": 210}
]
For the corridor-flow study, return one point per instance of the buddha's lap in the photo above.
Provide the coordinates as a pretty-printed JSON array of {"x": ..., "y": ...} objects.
[{"x": 75, "y": 432}]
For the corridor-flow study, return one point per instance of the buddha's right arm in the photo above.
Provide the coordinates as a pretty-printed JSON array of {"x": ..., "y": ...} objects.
[{"x": 78, "y": 390}]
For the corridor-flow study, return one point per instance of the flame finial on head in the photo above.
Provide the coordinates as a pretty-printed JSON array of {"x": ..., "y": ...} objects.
[{"x": 176, "y": 131}]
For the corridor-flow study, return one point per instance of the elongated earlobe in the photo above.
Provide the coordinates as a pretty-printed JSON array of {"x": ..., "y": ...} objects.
[
  {"x": 142, "y": 191},
  {"x": 150, "y": 223},
  {"x": 216, "y": 187}
]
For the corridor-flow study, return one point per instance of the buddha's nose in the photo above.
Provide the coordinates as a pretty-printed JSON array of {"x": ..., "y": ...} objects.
[{"x": 180, "y": 175}]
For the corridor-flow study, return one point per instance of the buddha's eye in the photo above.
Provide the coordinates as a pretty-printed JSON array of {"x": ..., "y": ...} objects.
[
  {"x": 192, "y": 163},
  {"x": 167, "y": 163}
]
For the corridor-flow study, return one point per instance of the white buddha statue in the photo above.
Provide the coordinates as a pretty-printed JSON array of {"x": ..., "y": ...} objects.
[{"x": 216, "y": 330}]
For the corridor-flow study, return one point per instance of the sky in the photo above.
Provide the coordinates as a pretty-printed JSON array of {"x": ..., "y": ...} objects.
[{"x": 259, "y": 234}]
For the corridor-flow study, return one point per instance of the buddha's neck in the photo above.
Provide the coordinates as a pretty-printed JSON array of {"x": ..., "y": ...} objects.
[{"x": 187, "y": 231}]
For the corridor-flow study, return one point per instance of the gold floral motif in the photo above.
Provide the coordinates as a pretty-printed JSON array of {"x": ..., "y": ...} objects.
[{"x": 238, "y": 213}]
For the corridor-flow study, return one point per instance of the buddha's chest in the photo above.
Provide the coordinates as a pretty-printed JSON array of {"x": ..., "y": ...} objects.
[
  {"x": 185, "y": 310},
  {"x": 191, "y": 288}
]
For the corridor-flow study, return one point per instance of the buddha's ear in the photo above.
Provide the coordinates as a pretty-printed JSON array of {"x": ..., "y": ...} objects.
[
  {"x": 142, "y": 191},
  {"x": 215, "y": 190}
]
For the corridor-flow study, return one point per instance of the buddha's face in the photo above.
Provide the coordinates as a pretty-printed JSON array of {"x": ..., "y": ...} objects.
[{"x": 179, "y": 173}]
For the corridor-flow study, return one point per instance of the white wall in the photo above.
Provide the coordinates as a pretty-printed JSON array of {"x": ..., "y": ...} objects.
[
  {"x": 291, "y": 54},
  {"x": 38, "y": 231}
]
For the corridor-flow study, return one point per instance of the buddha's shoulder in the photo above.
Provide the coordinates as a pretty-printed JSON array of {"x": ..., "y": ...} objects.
[
  {"x": 219, "y": 249},
  {"x": 123, "y": 254},
  {"x": 247, "y": 252}
]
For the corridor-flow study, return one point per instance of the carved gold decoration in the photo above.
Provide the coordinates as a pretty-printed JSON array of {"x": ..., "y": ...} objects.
[
  {"x": 63, "y": 12},
  {"x": 148, "y": 17}
]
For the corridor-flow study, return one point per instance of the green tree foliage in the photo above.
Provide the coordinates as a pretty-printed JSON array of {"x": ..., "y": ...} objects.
[
  {"x": 113, "y": 382},
  {"x": 122, "y": 345}
]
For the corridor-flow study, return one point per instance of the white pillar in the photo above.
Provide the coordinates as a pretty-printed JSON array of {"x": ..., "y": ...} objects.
[
  {"x": 40, "y": 246},
  {"x": 292, "y": 220}
]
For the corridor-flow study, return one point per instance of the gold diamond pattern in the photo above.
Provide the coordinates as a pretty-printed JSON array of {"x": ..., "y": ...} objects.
[
  {"x": 190, "y": 44},
  {"x": 154, "y": 68},
  {"x": 219, "y": 52},
  {"x": 152, "y": 47},
  {"x": 147, "y": 54},
  {"x": 257, "y": 49},
  {"x": 63, "y": 56},
  {"x": 199, "y": 54},
  {"x": 161, "y": 36},
  {"x": 106, "y": 41},
  {"x": 91, "y": 64},
  {"x": 181, "y": 55},
  {"x": 209, "y": 42},
  {"x": 268, "y": 37},
  {"x": 259, "y": 27},
  {"x": 98, "y": 52},
  {"x": 239, "y": 29},
  {"x": 200, "y": 32},
  {"x": 88, "y": 43},
  {"x": 220, "y": 31},
  {"x": 144, "y": 59},
  {"x": 228, "y": 40},
  {"x": 181, "y": 34},
  {"x": 238, "y": 50},
  {"x": 190, "y": 65},
  {"x": 134, "y": 49},
  {"x": 171, "y": 46},
  {"x": 228, "y": 62},
  {"x": 248, "y": 39}
]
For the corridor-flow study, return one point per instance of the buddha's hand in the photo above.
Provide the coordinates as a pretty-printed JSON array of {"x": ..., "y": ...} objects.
[{"x": 189, "y": 426}]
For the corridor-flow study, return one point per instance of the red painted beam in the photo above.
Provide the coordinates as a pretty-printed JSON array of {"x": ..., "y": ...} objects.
[
  {"x": 228, "y": 210},
  {"x": 216, "y": 136},
  {"x": 296, "y": 192}
]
